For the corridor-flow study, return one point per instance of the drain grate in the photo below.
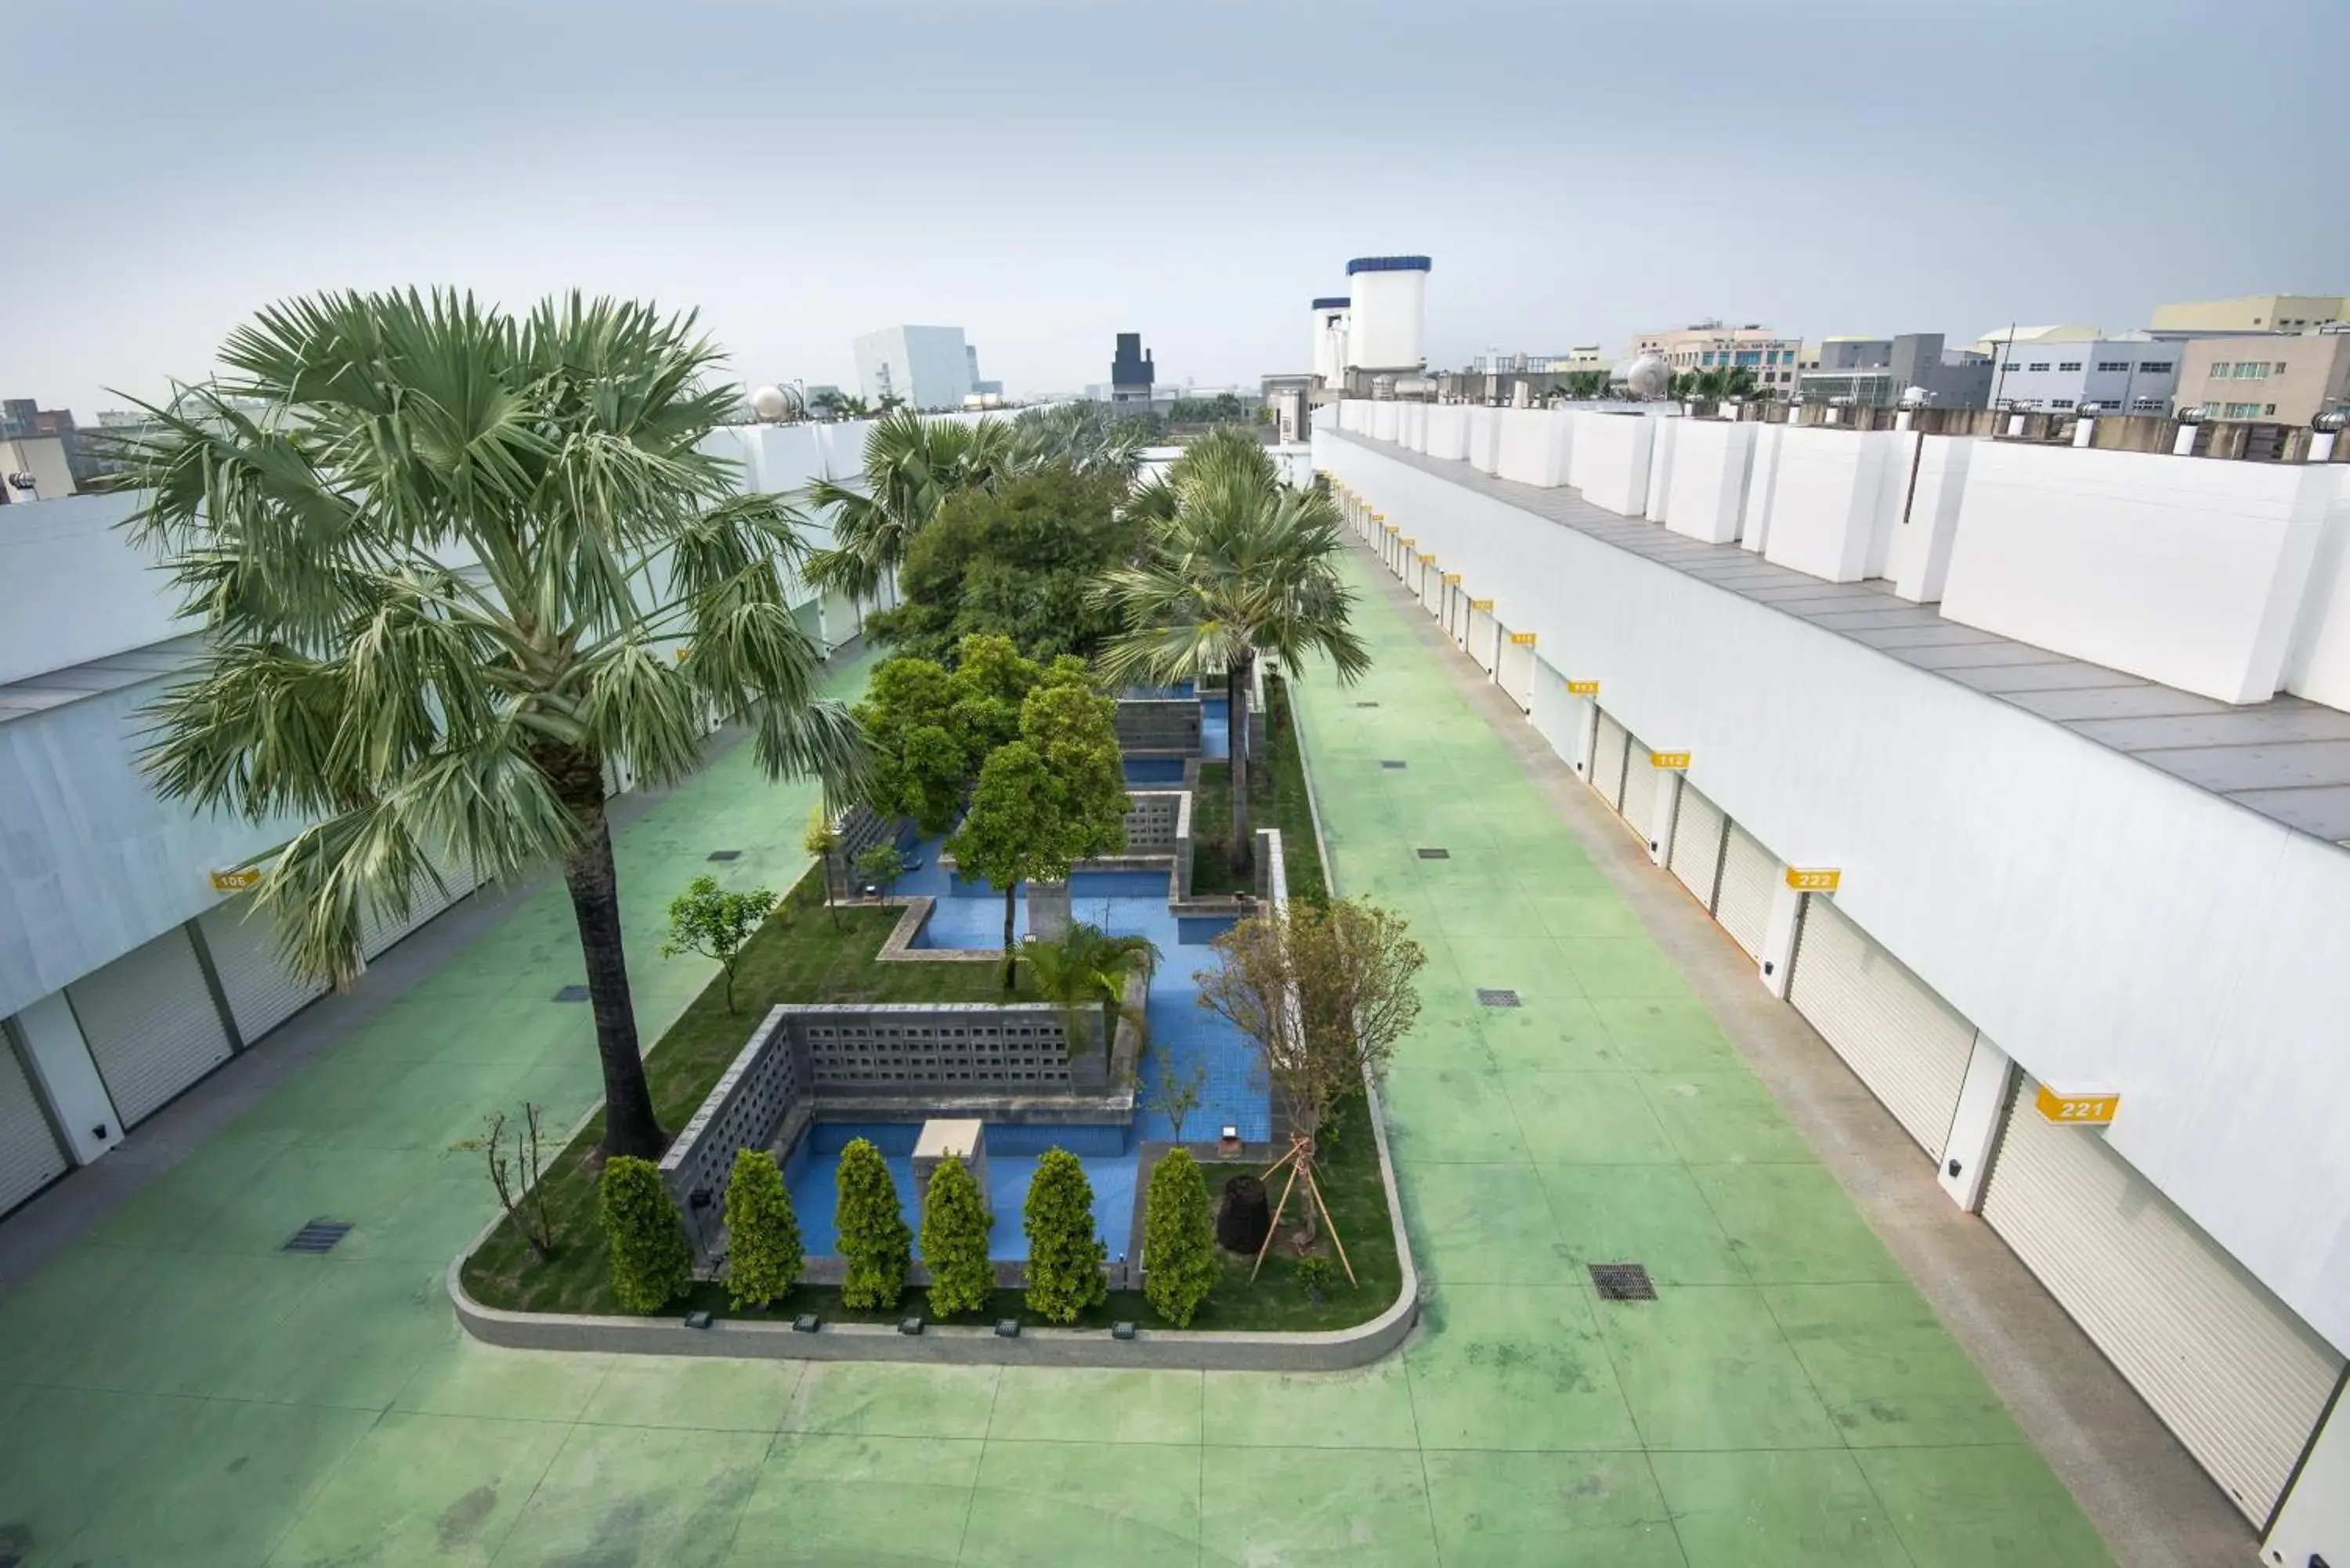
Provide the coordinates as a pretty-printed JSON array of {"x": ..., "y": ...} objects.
[
  {"x": 572, "y": 993},
  {"x": 1391, "y": 765},
  {"x": 1491, "y": 998},
  {"x": 1435, "y": 853},
  {"x": 1623, "y": 1283},
  {"x": 726, "y": 855},
  {"x": 318, "y": 1236},
  {"x": 1366, "y": 704}
]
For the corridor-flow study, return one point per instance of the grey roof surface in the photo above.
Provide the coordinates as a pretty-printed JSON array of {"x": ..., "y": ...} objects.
[
  {"x": 55, "y": 687},
  {"x": 2286, "y": 759}
]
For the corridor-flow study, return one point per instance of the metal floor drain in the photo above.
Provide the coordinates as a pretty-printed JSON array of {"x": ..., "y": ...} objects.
[
  {"x": 572, "y": 993},
  {"x": 1366, "y": 704},
  {"x": 318, "y": 1236},
  {"x": 1435, "y": 853},
  {"x": 1623, "y": 1283},
  {"x": 1385, "y": 764},
  {"x": 1491, "y": 998},
  {"x": 726, "y": 855}
]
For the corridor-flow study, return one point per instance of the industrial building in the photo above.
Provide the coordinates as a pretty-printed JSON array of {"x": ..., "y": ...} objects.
[
  {"x": 1772, "y": 360},
  {"x": 1131, "y": 372},
  {"x": 2022, "y": 773},
  {"x": 1878, "y": 372},
  {"x": 920, "y": 367},
  {"x": 2287, "y": 377},
  {"x": 2252, "y": 313},
  {"x": 2131, "y": 372}
]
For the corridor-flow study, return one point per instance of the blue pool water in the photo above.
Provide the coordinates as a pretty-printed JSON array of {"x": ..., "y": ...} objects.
[
  {"x": 1183, "y": 1034},
  {"x": 1106, "y": 1153},
  {"x": 1145, "y": 772},
  {"x": 1215, "y": 727}
]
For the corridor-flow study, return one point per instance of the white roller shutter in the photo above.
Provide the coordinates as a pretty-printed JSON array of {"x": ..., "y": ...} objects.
[
  {"x": 1431, "y": 587},
  {"x": 1639, "y": 806},
  {"x": 379, "y": 930},
  {"x": 1517, "y": 674},
  {"x": 151, "y": 1024},
  {"x": 263, "y": 990},
  {"x": 1482, "y": 627},
  {"x": 29, "y": 1156},
  {"x": 1750, "y": 873},
  {"x": 1908, "y": 1045},
  {"x": 2231, "y": 1370},
  {"x": 1697, "y": 843},
  {"x": 1608, "y": 761}
]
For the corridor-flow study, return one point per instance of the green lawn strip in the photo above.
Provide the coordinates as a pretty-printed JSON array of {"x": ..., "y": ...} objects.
[{"x": 797, "y": 956}]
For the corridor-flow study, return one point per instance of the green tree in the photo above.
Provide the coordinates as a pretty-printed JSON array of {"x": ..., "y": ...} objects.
[
  {"x": 1176, "y": 1097},
  {"x": 651, "y": 1264},
  {"x": 911, "y": 465},
  {"x": 1064, "y": 1256},
  {"x": 880, "y": 866},
  {"x": 708, "y": 921},
  {"x": 1243, "y": 569},
  {"x": 954, "y": 1241},
  {"x": 821, "y": 838},
  {"x": 1017, "y": 559},
  {"x": 310, "y": 501},
  {"x": 874, "y": 1239},
  {"x": 930, "y": 728},
  {"x": 1084, "y": 436},
  {"x": 1047, "y": 800},
  {"x": 1085, "y": 967},
  {"x": 1178, "y": 1246},
  {"x": 763, "y": 1234}
]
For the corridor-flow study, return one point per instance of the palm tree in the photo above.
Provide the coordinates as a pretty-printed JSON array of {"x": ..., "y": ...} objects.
[
  {"x": 1082, "y": 435},
  {"x": 911, "y": 465},
  {"x": 1086, "y": 964},
  {"x": 1245, "y": 568},
  {"x": 449, "y": 563}
]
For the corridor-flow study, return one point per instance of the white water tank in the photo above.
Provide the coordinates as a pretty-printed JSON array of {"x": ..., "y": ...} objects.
[
  {"x": 1389, "y": 311},
  {"x": 1331, "y": 315}
]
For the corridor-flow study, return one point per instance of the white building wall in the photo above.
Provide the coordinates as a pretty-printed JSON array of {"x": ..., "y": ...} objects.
[
  {"x": 72, "y": 589},
  {"x": 927, "y": 367},
  {"x": 2104, "y": 922}
]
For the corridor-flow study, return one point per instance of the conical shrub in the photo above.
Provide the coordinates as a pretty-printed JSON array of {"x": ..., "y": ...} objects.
[
  {"x": 651, "y": 1264},
  {"x": 763, "y": 1257},
  {"x": 954, "y": 1241},
  {"x": 874, "y": 1241},
  {"x": 1064, "y": 1256},
  {"x": 1178, "y": 1244}
]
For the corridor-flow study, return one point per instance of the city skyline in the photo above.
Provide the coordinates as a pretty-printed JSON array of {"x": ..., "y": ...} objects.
[{"x": 1917, "y": 175}]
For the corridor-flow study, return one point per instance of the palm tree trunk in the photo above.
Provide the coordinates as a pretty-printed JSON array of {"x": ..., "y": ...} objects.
[
  {"x": 630, "y": 1127},
  {"x": 1237, "y": 706},
  {"x": 1010, "y": 948}
]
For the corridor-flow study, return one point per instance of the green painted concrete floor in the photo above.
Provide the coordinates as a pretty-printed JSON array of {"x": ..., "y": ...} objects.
[{"x": 175, "y": 1390}]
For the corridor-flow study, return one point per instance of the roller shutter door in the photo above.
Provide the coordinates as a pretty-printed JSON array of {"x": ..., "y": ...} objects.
[
  {"x": 263, "y": 990},
  {"x": 1431, "y": 588},
  {"x": 1697, "y": 843},
  {"x": 1483, "y": 629},
  {"x": 380, "y": 930},
  {"x": 2231, "y": 1371},
  {"x": 1607, "y": 753},
  {"x": 1639, "y": 806},
  {"x": 1908, "y": 1045},
  {"x": 1517, "y": 674},
  {"x": 151, "y": 1024},
  {"x": 29, "y": 1156},
  {"x": 1749, "y": 874}
]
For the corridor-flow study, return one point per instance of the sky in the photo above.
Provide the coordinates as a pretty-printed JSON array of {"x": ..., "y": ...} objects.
[{"x": 1048, "y": 174}]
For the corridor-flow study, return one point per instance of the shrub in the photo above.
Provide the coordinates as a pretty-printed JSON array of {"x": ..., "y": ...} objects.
[
  {"x": 954, "y": 1241},
  {"x": 1064, "y": 1256},
  {"x": 651, "y": 1265},
  {"x": 1178, "y": 1247},
  {"x": 763, "y": 1235},
  {"x": 874, "y": 1239},
  {"x": 708, "y": 921}
]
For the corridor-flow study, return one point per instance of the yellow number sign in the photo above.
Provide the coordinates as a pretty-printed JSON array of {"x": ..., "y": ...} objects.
[
  {"x": 1522, "y": 639},
  {"x": 1481, "y": 604},
  {"x": 1674, "y": 760},
  {"x": 1817, "y": 880},
  {"x": 1583, "y": 688},
  {"x": 2079, "y": 1107},
  {"x": 235, "y": 881},
  {"x": 1451, "y": 577}
]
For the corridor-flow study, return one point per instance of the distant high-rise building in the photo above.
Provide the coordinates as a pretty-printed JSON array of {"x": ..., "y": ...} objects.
[
  {"x": 1131, "y": 372},
  {"x": 922, "y": 366},
  {"x": 980, "y": 387},
  {"x": 2252, "y": 313}
]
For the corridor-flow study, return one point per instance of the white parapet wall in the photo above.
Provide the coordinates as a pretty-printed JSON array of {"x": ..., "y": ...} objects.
[
  {"x": 1448, "y": 431},
  {"x": 1825, "y": 504},
  {"x": 1484, "y": 438},
  {"x": 1611, "y": 460},
  {"x": 2003, "y": 858},
  {"x": 1932, "y": 475},
  {"x": 2183, "y": 570},
  {"x": 1660, "y": 468},
  {"x": 1533, "y": 447},
  {"x": 1713, "y": 461},
  {"x": 1383, "y": 421}
]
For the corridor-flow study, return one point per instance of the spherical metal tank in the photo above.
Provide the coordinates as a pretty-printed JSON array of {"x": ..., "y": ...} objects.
[
  {"x": 772, "y": 403},
  {"x": 1647, "y": 377},
  {"x": 1331, "y": 315},
  {"x": 1390, "y": 306}
]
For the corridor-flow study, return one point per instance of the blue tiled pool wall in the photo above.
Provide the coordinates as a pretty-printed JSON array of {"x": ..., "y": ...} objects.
[
  {"x": 1153, "y": 772},
  {"x": 1107, "y": 1153}
]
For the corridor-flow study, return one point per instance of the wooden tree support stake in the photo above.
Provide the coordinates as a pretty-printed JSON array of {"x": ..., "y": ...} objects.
[
  {"x": 1322, "y": 1204},
  {"x": 1273, "y": 1227}
]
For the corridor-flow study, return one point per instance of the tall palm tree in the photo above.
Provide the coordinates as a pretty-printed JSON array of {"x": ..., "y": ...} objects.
[
  {"x": 1082, "y": 435},
  {"x": 450, "y": 563},
  {"x": 911, "y": 465},
  {"x": 1245, "y": 568}
]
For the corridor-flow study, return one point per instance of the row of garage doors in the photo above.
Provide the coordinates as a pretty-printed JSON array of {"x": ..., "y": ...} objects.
[
  {"x": 2233, "y": 1372},
  {"x": 155, "y": 1020}
]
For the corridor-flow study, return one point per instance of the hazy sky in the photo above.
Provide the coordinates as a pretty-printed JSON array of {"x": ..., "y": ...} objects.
[{"x": 1047, "y": 174}]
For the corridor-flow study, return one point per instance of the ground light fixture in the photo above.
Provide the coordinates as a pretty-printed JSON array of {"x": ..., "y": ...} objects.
[
  {"x": 1122, "y": 1329},
  {"x": 1007, "y": 1328},
  {"x": 806, "y": 1322},
  {"x": 910, "y": 1326}
]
